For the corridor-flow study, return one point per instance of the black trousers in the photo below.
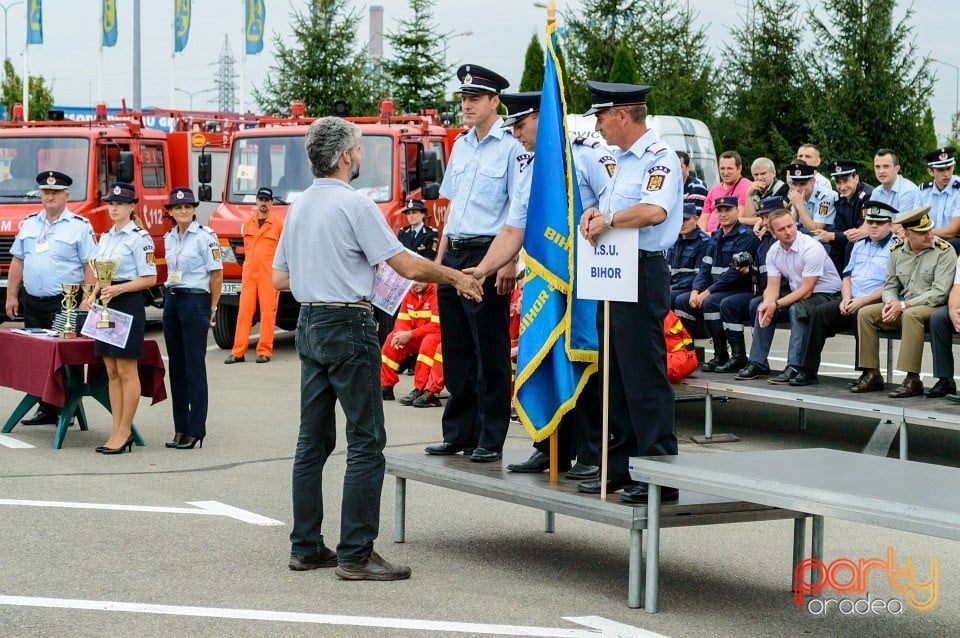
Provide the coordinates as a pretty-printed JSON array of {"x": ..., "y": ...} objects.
[
  {"x": 825, "y": 321},
  {"x": 641, "y": 397},
  {"x": 39, "y": 312},
  {"x": 476, "y": 359},
  {"x": 578, "y": 435}
]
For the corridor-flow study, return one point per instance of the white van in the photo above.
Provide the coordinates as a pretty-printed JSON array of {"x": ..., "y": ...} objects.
[{"x": 680, "y": 133}]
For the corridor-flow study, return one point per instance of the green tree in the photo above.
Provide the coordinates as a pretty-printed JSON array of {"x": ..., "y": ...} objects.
[
  {"x": 762, "y": 114},
  {"x": 624, "y": 67},
  {"x": 869, "y": 88},
  {"x": 562, "y": 69},
  {"x": 41, "y": 96},
  {"x": 418, "y": 73},
  {"x": 928, "y": 131},
  {"x": 533, "y": 67},
  {"x": 323, "y": 66}
]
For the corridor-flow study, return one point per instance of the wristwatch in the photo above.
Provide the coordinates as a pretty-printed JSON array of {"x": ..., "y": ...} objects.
[
  {"x": 608, "y": 219},
  {"x": 903, "y": 306}
]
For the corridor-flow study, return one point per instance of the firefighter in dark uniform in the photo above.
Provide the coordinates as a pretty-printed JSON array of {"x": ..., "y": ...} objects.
[
  {"x": 848, "y": 222},
  {"x": 646, "y": 194},
  {"x": 685, "y": 256},
  {"x": 417, "y": 236}
]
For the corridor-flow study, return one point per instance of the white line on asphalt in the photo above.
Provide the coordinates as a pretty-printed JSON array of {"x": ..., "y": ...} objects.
[
  {"x": 206, "y": 508},
  {"x": 607, "y": 629},
  {"x": 9, "y": 441}
]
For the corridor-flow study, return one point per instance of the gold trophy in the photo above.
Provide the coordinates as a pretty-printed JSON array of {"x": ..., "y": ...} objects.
[
  {"x": 104, "y": 271},
  {"x": 69, "y": 303}
]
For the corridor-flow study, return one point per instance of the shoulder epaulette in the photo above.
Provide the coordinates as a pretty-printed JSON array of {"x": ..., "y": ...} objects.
[
  {"x": 462, "y": 134},
  {"x": 141, "y": 231},
  {"x": 942, "y": 243},
  {"x": 956, "y": 184},
  {"x": 206, "y": 229},
  {"x": 926, "y": 185},
  {"x": 895, "y": 243},
  {"x": 583, "y": 141},
  {"x": 31, "y": 215},
  {"x": 657, "y": 147},
  {"x": 74, "y": 217},
  {"x": 862, "y": 196}
]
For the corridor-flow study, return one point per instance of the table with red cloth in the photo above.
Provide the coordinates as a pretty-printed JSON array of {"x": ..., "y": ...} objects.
[{"x": 62, "y": 372}]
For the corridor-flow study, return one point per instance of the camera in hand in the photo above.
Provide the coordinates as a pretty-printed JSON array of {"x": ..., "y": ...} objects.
[{"x": 742, "y": 259}]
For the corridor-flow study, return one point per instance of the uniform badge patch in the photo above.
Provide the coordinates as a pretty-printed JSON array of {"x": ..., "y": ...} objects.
[
  {"x": 608, "y": 163},
  {"x": 216, "y": 253},
  {"x": 525, "y": 160},
  {"x": 150, "y": 258},
  {"x": 823, "y": 210},
  {"x": 654, "y": 183}
]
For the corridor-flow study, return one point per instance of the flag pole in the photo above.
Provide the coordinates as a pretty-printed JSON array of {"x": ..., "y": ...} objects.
[
  {"x": 26, "y": 79},
  {"x": 173, "y": 62},
  {"x": 605, "y": 418},
  {"x": 100, "y": 58},
  {"x": 243, "y": 64},
  {"x": 555, "y": 436}
]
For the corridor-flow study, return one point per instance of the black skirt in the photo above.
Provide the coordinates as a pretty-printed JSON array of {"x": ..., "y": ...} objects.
[{"x": 132, "y": 304}]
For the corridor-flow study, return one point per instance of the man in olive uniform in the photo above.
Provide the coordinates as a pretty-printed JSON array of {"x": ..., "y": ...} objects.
[
  {"x": 417, "y": 236},
  {"x": 920, "y": 272}
]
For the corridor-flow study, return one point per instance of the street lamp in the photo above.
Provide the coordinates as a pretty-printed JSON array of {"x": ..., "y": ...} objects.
[
  {"x": 5, "y": 7},
  {"x": 190, "y": 94},
  {"x": 446, "y": 40},
  {"x": 956, "y": 100}
]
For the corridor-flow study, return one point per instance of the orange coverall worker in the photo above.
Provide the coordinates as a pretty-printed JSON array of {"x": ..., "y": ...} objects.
[
  {"x": 256, "y": 285},
  {"x": 418, "y": 314}
]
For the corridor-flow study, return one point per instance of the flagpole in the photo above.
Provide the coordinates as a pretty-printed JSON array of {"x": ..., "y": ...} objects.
[
  {"x": 605, "y": 419},
  {"x": 243, "y": 66},
  {"x": 26, "y": 79},
  {"x": 173, "y": 62},
  {"x": 100, "y": 58}
]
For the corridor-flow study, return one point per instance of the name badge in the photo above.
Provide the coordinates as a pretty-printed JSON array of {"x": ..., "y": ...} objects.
[
  {"x": 174, "y": 276},
  {"x": 42, "y": 246}
]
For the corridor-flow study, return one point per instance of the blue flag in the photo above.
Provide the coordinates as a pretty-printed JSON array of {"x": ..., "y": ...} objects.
[
  {"x": 109, "y": 16},
  {"x": 256, "y": 13},
  {"x": 34, "y": 21},
  {"x": 181, "y": 24},
  {"x": 558, "y": 336}
]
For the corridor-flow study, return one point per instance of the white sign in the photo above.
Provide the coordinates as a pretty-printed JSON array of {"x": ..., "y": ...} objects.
[
  {"x": 389, "y": 289},
  {"x": 609, "y": 270}
]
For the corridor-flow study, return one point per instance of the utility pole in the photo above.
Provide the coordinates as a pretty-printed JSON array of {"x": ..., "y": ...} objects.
[{"x": 224, "y": 79}]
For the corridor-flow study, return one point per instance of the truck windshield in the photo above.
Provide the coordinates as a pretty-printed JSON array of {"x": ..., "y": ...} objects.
[
  {"x": 22, "y": 158},
  {"x": 281, "y": 163}
]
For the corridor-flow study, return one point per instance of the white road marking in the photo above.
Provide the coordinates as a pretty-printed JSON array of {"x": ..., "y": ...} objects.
[
  {"x": 9, "y": 441},
  {"x": 202, "y": 508},
  {"x": 607, "y": 628}
]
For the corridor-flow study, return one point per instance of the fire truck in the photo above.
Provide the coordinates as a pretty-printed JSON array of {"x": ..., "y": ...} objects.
[
  {"x": 403, "y": 158},
  {"x": 94, "y": 154}
]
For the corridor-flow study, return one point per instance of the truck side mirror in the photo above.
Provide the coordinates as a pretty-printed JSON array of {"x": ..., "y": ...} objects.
[
  {"x": 125, "y": 167},
  {"x": 205, "y": 192},
  {"x": 204, "y": 168},
  {"x": 430, "y": 191},
  {"x": 427, "y": 166}
]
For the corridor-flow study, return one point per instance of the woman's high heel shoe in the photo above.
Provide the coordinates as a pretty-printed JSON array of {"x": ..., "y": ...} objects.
[
  {"x": 126, "y": 447},
  {"x": 175, "y": 442},
  {"x": 189, "y": 442}
]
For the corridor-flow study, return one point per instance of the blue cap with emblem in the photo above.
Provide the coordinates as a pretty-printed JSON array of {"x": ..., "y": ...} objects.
[
  {"x": 690, "y": 210},
  {"x": 121, "y": 192},
  {"x": 53, "y": 181},
  {"x": 181, "y": 195},
  {"x": 480, "y": 81},
  {"x": 798, "y": 172},
  {"x": 728, "y": 201},
  {"x": 606, "y": 95},
  {"x": 520, "y": 105},
  {"x": 842, "y": 168},
  {"x": 878, "y": 211},
  {"x": 415, "y": 206},
  {"x": 770, "y": 204},
  {"x": 941, "y": 158}
]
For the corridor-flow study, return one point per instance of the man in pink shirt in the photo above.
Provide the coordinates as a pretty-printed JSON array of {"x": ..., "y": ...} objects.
[{"x": 732, "y": 183}]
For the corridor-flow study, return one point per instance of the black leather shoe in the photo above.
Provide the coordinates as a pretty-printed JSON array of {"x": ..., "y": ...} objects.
[
  {"x": 326, "y": 558},
  {"x": 537, "y": 462},
  {"x": 408, "y": 399},
  {"x": 953, "y": 398},
  {"x": 41, "y": 418},
  {"x": 387, "y": 393},
  {"x": 717, "y": 361},
  {"x": 483, "y": 455},
  {"x": 941, "y": 388},
  {"x": 733, "y": 364},
  {"x": 637, "y": 495},
  {"x": 752, "y": 371},
  {"x": 870, "y": 381},
  {"x": 446, "y": 449},
  {"x": 804, "y": 378},
  {"x": 593, "y": 487},
  {"x": 784, "y": 377},
  {"x": 232, "y": 359},
  {"x": 583, "y": 472}
]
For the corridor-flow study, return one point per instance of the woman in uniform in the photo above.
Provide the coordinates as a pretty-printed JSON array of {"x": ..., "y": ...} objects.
[
  {"x": 194, "y": 276},
  {"x": 131, "y": 248}
]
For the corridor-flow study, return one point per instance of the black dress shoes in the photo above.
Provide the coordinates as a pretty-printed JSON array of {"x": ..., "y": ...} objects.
[
  {"x": 953, "y": 398},
  {"x": 537, "y": 462},
  {"x": 593, "y": 487},
  {"x": 583, "y": 472},
  {"x": 637, "y": 495},
  {"x": 804, "y": 378},
  {"x": 911, "y": 387},
  {"x": 941, "y": 388},
  {"x": 326, "y": 558},
  {"x": 41, "y": 418},
  {"x": 785, "y": 377},
  {"x": 446, "y": 449},
  {"x": 483, "y": 455},
  {"x": 871, "y": 381},
  {"x": 752, "y": 371}
]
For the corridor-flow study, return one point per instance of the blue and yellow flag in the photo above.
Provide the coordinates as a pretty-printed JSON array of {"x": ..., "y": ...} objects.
[
  {"x": 256, "y": 13},
  {"x": 181, "y": 24},
  {"x": 34, "y": 21},
  {"x": 109, "y": 17},
  {"x": 558, "y": 335}
]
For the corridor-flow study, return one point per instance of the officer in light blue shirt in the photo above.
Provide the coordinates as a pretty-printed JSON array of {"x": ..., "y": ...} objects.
[
  {"x": 893, "y": 188},
  {"x": 942, "y": 193},
  {"x": 595, "y": 165},
  {"x": 812, "y": 206}
]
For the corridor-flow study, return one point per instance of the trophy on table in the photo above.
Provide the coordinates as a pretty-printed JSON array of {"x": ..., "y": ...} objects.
[
  {"x": 104, "y": 271},
  {"x": 69, "y": 303}
]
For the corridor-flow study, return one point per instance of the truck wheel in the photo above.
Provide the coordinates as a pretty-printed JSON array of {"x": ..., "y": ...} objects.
[{"x": 225, "y": 328}]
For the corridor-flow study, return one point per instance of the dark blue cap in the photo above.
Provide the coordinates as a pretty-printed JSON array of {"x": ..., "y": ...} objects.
[
  {"x": 121, "y": 192},
  {"x": 520, "y": 105},
  {"x": 770, "y": 204},
  {"x": 842, "y": 167},
  {"x": 728, "y": 201},
  {"x": 415, "y": 206},
  {"x": 480, "y": 80},
  {"x": 941, "y": 158},
  {"x": 180, "y": 195},
  {"x": 878, "y": 211},
  {"x": 265, "y": 193},
  {"x": 689, "y": 210},
  {"x": 606, "y": 95},
  {"x": 53, "y": 181},
  {"x": 797, "y": 172}
]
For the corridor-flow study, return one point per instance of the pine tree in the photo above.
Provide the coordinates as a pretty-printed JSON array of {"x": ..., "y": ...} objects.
[
  {"x": 418, "y": 73},
  {"x": 624, "y": 67},
  {"x": 325, "y": 64},
  {"x": 41, "y": 96},
  {"x": 533, "y": 67}
]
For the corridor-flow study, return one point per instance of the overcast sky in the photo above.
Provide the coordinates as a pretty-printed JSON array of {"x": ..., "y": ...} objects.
[{"x": 501, "y": 30}]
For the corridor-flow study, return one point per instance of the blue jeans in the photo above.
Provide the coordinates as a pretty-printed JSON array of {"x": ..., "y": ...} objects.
[
  {"x": 763, "y": 337},
  {"x": 339, "y": 360}
]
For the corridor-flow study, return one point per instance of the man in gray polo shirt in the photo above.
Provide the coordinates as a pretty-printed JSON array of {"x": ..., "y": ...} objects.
[{"x": 333, "y": 239}]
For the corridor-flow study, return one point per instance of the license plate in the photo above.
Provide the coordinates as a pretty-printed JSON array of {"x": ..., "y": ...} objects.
[{"x": 230, "y": 288}]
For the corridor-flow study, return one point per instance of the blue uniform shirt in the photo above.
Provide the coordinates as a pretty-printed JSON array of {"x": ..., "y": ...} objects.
[
  {"x": 684, "y": 259},
  {"x": 132, "y": 249},
  {"x": 902, "y": 196},
  {"x": 194, "y": 256},
  {"x": 867, "y": 267},
  {"x": 53, "y": 254},
  {"x": 648, "y": 173},
  {"x": 595, "y": 165},
  {"x": 481, "y": 179},
  {"x": 944, "y": 204},
  {"x": 717, "y": 273}
]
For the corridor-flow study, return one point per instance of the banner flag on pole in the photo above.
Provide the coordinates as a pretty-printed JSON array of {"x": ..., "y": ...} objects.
[
  {"x": 256, "y": 13},
  {"x": 558, "y": 335},
  {"x": 109, "y": 14},
  {"x": 34, "y": 21},
  {"x": 181, "y": 11}
]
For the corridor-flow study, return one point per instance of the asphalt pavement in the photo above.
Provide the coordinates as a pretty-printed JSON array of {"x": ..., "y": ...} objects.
[{"x": 173, "y": 543}]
